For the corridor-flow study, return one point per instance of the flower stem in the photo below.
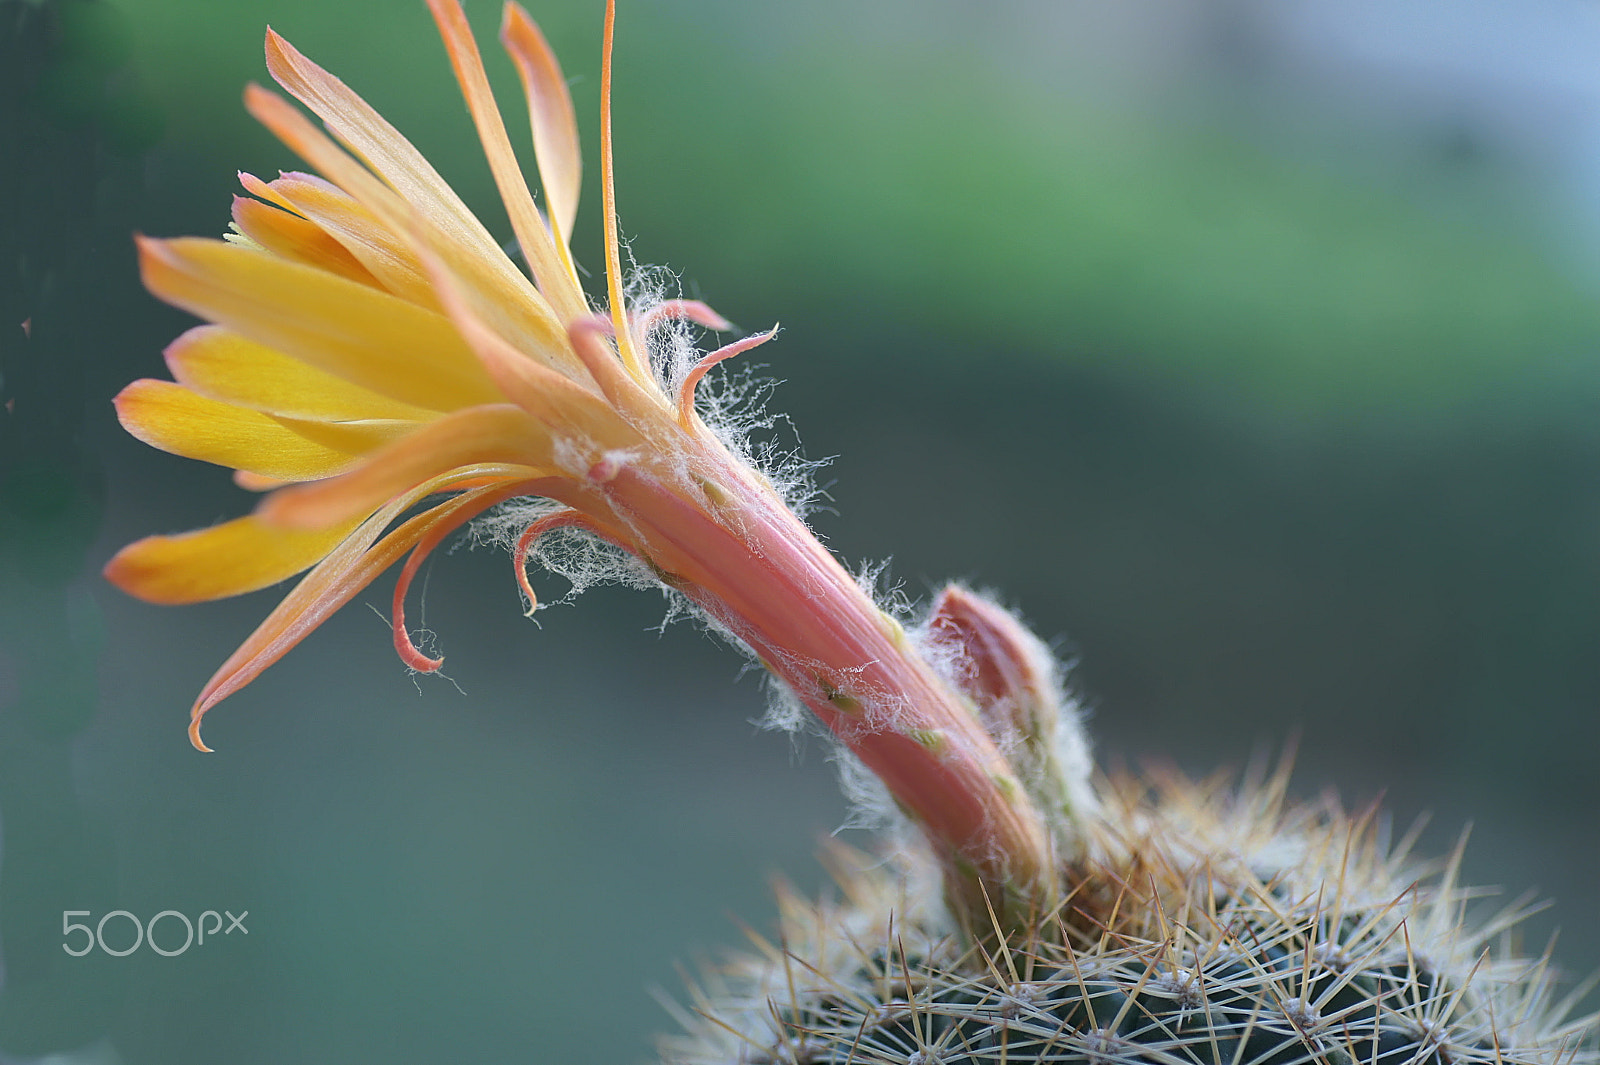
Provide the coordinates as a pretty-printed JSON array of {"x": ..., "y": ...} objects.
[{"x": 716, "y": 533}]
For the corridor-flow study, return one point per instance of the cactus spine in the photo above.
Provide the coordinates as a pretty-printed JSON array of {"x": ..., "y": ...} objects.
[{"x": 1215, "y": 925}]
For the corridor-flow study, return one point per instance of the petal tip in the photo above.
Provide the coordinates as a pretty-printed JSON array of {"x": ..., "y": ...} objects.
[
  {"x": 116, "y": 572},
  {"x": 134, "y": 572},
  {"x": 131, "y": 403},
  {"x": 514, "y": 18},
  {"x": 263, "y": 104},
  {"x": 155, "y": 255},
  {"x": 275, "y": 47}
]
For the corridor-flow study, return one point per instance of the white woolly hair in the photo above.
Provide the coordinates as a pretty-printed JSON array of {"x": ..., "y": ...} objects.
[{"x": 731, "y": 403}]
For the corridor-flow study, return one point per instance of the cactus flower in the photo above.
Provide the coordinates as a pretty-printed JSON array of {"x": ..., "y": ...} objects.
[{"x": 382, "y": 369}]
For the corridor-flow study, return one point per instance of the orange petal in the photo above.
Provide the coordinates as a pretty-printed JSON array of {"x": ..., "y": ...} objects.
[
  {"x": 500, "y": 436},
  {"x": 590, "y": 337},
  {"x": 553, "y": 274},
  {"x": 225, "y": 366},
  {"x": 174, "y": 419},
  {"x": 555, "y": 126},
  {"x": 348, "y": 568},
  {"x": 380, "y": 146},
  {"x": 357, "y": 230},
  {"x": 290, "y": 126},
  {"x": 365, "y": 336},
  {"x": 518, "y": 309},
  {"x": 294, "y": 238},
  {"x": 235, "y": 557}
]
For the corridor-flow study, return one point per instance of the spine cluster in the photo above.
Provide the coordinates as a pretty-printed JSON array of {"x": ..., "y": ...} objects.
[{"x": 1214, "y": 927}]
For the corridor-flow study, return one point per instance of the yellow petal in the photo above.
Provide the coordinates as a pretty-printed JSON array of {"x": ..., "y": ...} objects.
[
  {"x": 379, "y": 249},
  {"x": 222, "y": 365},
  {"x": 501, "y": 437},
  {"x": 365, "y": 336},
  {"x": 356, "y": 437},
  {"x": 172, "y": 418},
  {"x": 555, "y": 126},
  {"x": 235, "y": 557},
  {"x": 519, "y": 310},
  {"x": 352, "y": 564},
  {"x": 397, "y": 162},
  {"x": 296, "y": 239},
  {"x": 555, "y": 277}
]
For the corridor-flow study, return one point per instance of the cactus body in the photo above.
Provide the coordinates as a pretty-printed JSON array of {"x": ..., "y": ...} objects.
[{"x": 1211, "y": 926}]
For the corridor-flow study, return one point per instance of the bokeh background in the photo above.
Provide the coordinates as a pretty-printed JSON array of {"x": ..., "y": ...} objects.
[{"x": 1251, "y": 348}]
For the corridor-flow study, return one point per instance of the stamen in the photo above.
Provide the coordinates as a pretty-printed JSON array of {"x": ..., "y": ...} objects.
[
  {"x": 608, "y": 208},
  {"x": 451, "y": 521},
  {"x": 728, "y": 351},
  {"x": 402, "y": 640}
]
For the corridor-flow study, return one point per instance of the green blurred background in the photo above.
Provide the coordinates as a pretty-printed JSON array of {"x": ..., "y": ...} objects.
[{"x": 1252, "y": 351}]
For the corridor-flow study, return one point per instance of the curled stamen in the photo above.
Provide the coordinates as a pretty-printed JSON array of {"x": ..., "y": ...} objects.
[
  {"x": 694, "y": 310},
  {"x": 451, "y": 519},
  {"x": 403, "y": 646},
  {"x": 727, "y": 351},
  {"x": 402, "y": 639},
  {"x": 561, "y": 519}
]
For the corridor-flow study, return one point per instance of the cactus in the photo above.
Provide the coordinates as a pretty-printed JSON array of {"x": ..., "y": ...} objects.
[
  {"x": 379, "y": 366},
  {"x": 1219, "y": 927},
  {"x": 1200, "y": 924}
]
